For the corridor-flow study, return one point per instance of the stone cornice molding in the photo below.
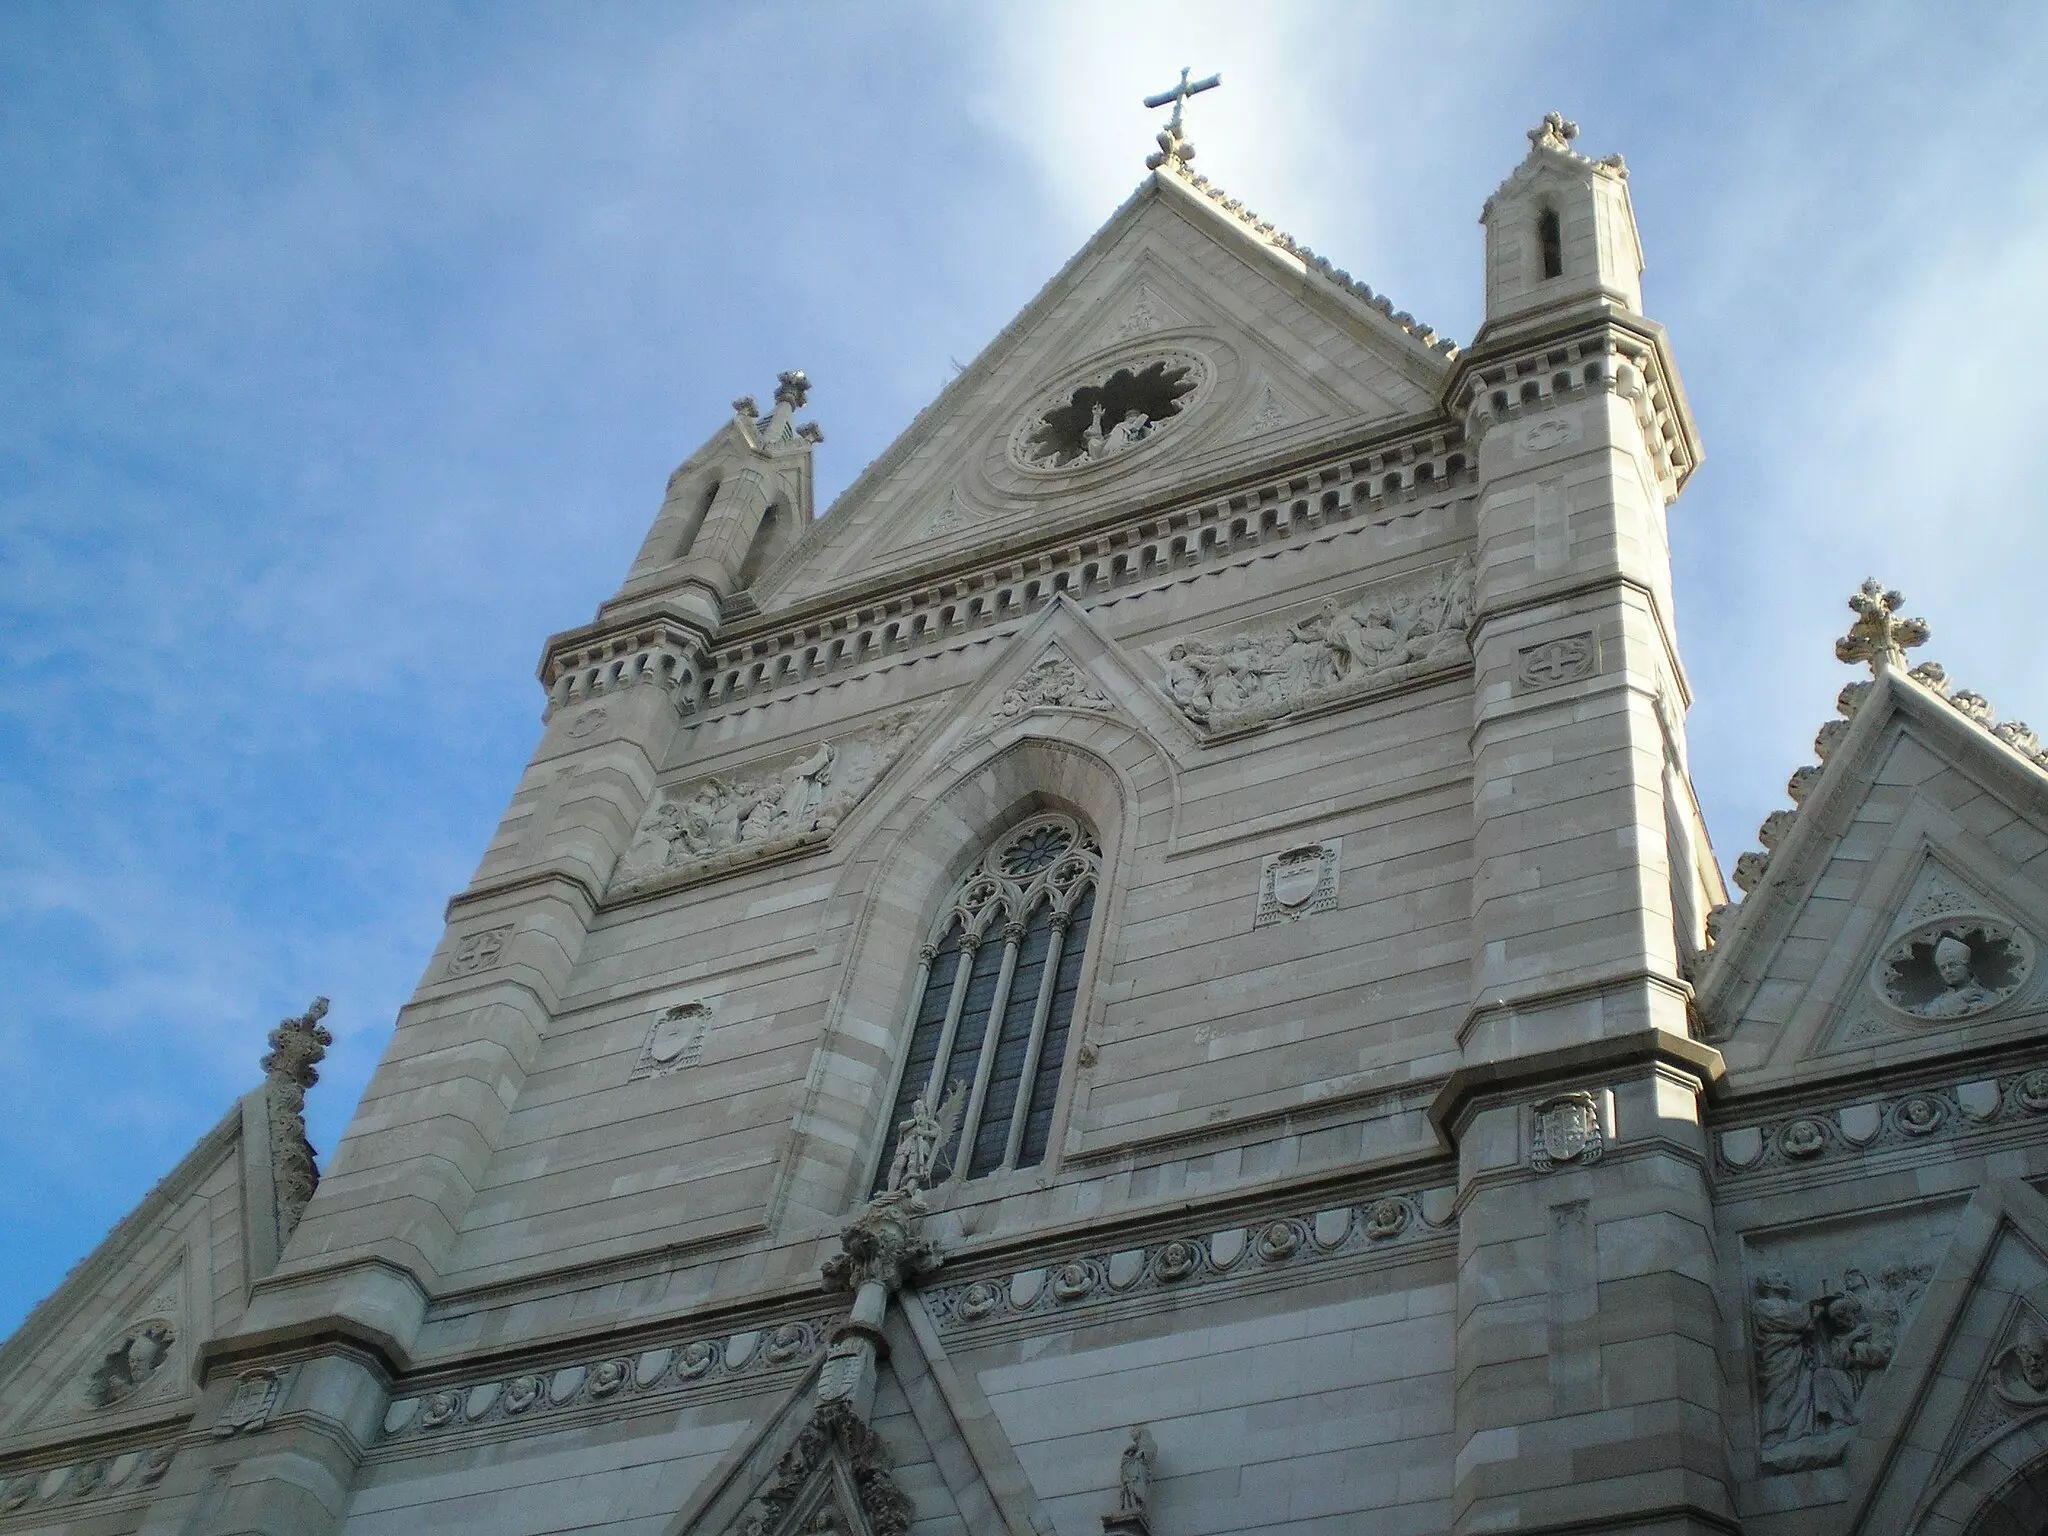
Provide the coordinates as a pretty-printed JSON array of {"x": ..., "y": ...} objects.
[
  {"x": 1466, "y": 1089},
  {"x": 1506, "y": 359},
  {"x": 1376, "y": 475},
  {"x": 332, "y": 1334}
]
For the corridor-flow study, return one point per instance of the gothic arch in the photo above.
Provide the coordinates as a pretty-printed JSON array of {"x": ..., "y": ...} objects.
[
  {"x": 1105, "y": 775},
  {"x": 2001, "y": 1491}
]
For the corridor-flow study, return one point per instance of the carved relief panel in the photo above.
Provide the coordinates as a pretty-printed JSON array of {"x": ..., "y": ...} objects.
[
  {"x": 788, "y": 801},
  {"x": 1307, "y": 658},
  {"x": 1826, "y": 1309}
]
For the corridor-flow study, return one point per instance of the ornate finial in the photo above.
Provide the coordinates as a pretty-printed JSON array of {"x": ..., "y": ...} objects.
[
  {"x": 297, "y": 1046},
  {"x": 745, "y": 406},
  {"x": 1879, "y": 636},
  {"x": 1175, "y": 150},
  {"x": 792, "y": 389},
  {"x": 1554, "y": 132}
]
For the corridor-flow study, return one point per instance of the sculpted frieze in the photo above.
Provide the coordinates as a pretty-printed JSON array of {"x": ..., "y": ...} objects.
[
  {"x": 792, "y": 800},
  {"x": 608, "y": 1381},
  {"x": 1377, "y": 639},
  {"x": 1385, "y": 1223},
  {"x": 128, "y": 1472},
  {"x": 1810, "y": 1137}
]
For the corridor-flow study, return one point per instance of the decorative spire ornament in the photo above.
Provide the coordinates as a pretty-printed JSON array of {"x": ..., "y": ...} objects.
[
  {"x": 1176, "y": 150},
  {"x": 297, "y": 1047},
  {"x": 1880, "y": 636},
  {"x": 1556, "y": 131}
]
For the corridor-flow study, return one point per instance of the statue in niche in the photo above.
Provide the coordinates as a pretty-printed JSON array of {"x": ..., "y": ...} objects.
[
  {"x": 133, "y": 1359},
  {"x": 921, "y": 1139},
  {"x": 1336, "y": 650},
  {"x": 1816, "y": 1358},
  {"x": 1954, "y": 971},
  {"x": 1132, "y": 1515},
  {"x": 1961, "y": 991}
]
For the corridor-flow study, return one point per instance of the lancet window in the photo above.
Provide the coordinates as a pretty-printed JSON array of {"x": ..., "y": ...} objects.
[{"x": 996, "y": 990}]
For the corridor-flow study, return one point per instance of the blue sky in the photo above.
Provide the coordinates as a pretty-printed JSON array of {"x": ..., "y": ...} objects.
[{"x": 344, "y": 352}]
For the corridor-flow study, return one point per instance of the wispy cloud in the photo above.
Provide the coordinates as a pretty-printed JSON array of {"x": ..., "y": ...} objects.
[{"x": 348, "y": 351}]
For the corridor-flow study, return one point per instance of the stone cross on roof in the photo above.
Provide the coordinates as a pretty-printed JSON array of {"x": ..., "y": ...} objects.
[
  {"x": 1173, "y": 148},
  {"x": 1879, "y": 636}
]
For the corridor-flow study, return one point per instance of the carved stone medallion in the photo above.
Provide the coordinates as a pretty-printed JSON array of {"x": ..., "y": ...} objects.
[
  {"x": 1565, "y": 1129},
  {"x": 478, "y": 951},
  {"x": 1109, "y": 414},
  {"x": 1554, "y": 663},
  {"x": 2019, "y": 1373},
  {"x": 1953, "y": 968},
  {"x": 129, "y": 1362}
]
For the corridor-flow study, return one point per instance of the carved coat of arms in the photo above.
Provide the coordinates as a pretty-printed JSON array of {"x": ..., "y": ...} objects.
[{"x": 1567, "y": 1130}]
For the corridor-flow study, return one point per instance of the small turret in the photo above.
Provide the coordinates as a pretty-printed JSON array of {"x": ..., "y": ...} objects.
[
  {"x": 733, "y": 506},
  {"x": 1560, "y": 231}
]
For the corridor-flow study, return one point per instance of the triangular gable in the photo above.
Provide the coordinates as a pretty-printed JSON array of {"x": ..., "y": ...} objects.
[
  {"x": 1922, "y": 822},
  {"x": 1274, "y": 347},
  {"x": 931, "y": 1442},
  {"x": 114, "y": 1344}
]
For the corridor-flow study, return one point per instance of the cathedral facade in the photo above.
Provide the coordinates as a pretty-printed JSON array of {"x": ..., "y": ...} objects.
[{"x": 1155, "y": 969}]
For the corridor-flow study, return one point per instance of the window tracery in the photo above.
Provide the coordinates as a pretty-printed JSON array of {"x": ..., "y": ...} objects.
[{"x": 997, "y": 985}]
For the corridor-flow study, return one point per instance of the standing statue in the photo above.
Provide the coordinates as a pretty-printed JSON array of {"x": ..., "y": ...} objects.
[
  {"x": 921, "y": 1140},
  {"x": 1132, "y": 1515}
]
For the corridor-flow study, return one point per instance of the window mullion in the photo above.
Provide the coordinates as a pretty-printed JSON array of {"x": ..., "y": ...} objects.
[
  {"x": 970, "y": 944},
  {"x": 1047, "y": 984},
  {"x": 1013, "y": 934}
]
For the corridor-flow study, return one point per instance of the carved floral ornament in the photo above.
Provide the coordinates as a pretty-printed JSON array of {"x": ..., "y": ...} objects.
[
  {"x": 1387, "y": 635},
  {"x": 1108, "y": 414}
]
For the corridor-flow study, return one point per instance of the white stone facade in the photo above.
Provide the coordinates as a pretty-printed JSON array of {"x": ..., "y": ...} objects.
[{"x": 1403, "y": 1135}]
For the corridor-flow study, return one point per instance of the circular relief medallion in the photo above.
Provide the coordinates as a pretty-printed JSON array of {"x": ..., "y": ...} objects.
[
  {"x": 1073, "y": 1282},
  {"x": 1109, "y": 414},
  {"x": 1954, "y": 968},
  {"x": 1387, "y": 1220},
  {"x": 1802, "y": 1138},
  {"x": 1919, "y": 1115},
  {"x": 130, "y": 1361},
  {"x": 607, "y": 1378},
  {"x": 1278, "y": 1242},
  {"x": 698, "y": 1357},
  {"x": 441, "y": 1409},
  {"x": 1176, "y": 1261},
  {"x": 787, "y": 1342},
  {"x": 977, "y": 1302},
  {"x": 2032, "y": 1091},
  {"x": 522, "y": 1392}
]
